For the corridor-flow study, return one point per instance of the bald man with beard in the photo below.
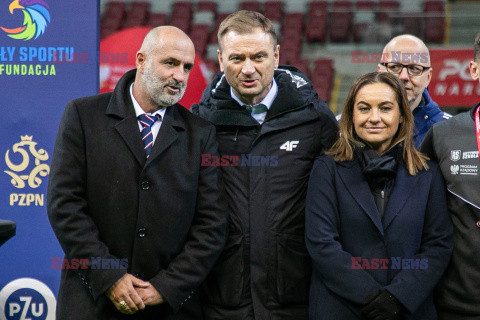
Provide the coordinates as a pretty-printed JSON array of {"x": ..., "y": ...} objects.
[
  {"x": 129, "y": 197},
  {"x": 408, "y": 58}
]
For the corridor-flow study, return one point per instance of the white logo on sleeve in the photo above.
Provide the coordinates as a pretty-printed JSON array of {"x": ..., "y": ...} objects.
[
  {"x": 454, "y": 168},
  {"x": 289, "y": 145},
  {"x": 455, "y": 155}
]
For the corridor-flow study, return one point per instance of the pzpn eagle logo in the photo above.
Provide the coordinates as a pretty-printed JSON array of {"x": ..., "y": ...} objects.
[{"x": 35, "y": 19}]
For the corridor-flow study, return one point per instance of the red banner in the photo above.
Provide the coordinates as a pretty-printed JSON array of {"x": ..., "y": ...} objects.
[
  {"x": 451, "y": 84},
  {"x": 117, "y": 56}
]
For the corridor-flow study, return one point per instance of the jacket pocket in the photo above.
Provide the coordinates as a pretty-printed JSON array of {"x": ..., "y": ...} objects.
[
  {"x": 294, "y": 269},
  {"x": 224, "y": 284}
]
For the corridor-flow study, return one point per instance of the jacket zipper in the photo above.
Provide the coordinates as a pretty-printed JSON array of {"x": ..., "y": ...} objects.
[
  {"x": 236, "y": 135},
  {"x": 382, "y": 194}
]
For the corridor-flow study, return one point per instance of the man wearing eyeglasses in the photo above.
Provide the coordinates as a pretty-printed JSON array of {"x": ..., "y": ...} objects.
[{"x": 408, "y": 58}]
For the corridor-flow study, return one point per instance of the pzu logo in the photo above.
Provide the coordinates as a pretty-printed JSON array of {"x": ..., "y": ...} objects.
[
  {"x": 26, "y": 304},
  {"x": 27, "y": 299},
  {"x": 289, "y": 145}
]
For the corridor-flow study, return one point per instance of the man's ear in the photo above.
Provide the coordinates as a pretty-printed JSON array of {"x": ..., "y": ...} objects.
[
  {"x": 276, "y": 55},
  {"x": 429, "y": 75},
  {"x": 220, "y": 60},
  {"x": 474, "y": 70},
  {"x": 140, "y": 61}
]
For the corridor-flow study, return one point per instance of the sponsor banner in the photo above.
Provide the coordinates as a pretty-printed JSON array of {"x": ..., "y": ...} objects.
[
  {"x": 27, "y": 298},
  {"x": 48, "y": 56},
  {"x": 117, "y": 56},
  {"x": 451, "y": 84}
]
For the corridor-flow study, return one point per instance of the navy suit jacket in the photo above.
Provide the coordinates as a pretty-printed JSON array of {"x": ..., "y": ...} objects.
[{"x": 343, "y": 225}]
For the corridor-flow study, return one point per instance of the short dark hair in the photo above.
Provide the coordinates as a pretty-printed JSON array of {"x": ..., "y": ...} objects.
[
  {"x": 476, "y": 48},
  {"x": 244, "y": 22}
]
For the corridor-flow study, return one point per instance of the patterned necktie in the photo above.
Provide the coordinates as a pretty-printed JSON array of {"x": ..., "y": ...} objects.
[
  {"x": 147, "y": 122},
  {"x": 256, "y": 108}
]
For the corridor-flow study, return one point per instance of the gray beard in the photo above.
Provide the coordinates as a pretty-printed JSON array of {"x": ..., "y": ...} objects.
[{"x": 155, "y": 89}]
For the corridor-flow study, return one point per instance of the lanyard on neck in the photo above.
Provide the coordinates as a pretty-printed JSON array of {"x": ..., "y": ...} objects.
[{"x": 477, "y": 129}]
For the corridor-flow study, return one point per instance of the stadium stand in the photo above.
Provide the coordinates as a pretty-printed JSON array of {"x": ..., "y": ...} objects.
[
  {"x": 317, "y": 21},
  {"x": 317, "y": 36}
]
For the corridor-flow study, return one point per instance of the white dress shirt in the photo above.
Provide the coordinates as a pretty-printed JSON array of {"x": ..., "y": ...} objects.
[
  {"x": 267, "y": 101},
  {"x": 138, "y": 111}
]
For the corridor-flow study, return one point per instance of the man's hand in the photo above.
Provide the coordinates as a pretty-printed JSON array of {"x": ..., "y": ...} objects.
[
  {"x": 124, "y": 296},
  {"x": 149, "y": 295}
]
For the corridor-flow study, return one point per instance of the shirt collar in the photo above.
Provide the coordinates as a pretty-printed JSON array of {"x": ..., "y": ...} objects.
[
  {"x": 267, "y": 101},
  {"x": 419, "y": 107},
  {"x": 139, "y": 110},
  {"x": 422, "y": 103}
]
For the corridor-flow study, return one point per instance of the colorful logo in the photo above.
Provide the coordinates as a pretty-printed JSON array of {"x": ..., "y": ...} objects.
[{"x": 35, "y": 19}]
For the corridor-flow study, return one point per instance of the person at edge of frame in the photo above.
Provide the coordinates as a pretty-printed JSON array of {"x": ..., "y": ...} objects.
[{"x": 455, "y": 144}]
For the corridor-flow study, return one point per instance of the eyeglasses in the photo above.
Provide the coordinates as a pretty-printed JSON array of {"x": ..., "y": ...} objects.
[{"x": 414, "y": 70}]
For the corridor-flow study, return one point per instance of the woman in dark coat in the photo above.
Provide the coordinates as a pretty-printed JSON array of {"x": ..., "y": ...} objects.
[{"x": 377, "y": 226}]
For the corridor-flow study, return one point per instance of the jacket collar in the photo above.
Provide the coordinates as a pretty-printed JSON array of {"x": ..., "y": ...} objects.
[
  {"x": 121, "y": 104},
  {"x": 404, "y": 187},
  {"x": 288, "y": 97},
  {"x": 294, "y": 92},
  {"x": 172, "y": 124},
  {"x": 121, "y": 107},
  {"x": 351, "y": 174},
  {"x": 426, "y": 107},
  {"x": 228, "y": 112},
  {"x": 472, "y": 111}
]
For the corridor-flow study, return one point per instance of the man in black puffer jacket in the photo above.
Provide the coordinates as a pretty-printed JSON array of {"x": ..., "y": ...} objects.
[{"x": 270, "y": 128}]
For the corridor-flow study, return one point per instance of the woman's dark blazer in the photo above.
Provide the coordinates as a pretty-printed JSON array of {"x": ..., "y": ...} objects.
[{"x": 343, "y": 224}]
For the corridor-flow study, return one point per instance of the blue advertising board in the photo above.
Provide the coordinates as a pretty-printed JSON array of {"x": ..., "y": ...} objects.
[{"x": 48, "y": 56}]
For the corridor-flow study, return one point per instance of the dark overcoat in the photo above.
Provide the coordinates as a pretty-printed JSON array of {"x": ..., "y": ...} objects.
[
  {"x": 164, "y": 216},
  {"x": 343, "y": 225}
]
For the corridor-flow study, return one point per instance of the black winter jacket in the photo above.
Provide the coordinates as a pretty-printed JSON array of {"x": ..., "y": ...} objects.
[{"x": 264, "y": 271}]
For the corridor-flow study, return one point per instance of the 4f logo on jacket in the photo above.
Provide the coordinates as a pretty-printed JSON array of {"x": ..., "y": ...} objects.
[{"x": 289, "y": 145}]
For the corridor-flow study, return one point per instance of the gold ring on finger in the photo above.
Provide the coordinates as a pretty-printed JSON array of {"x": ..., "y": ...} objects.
[{"x": 123, "y": 305}]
